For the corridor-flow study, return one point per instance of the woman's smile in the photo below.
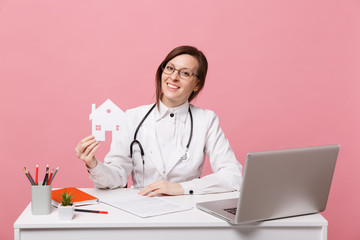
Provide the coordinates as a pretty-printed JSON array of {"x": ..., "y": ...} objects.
[{"x": 172, "y": 86}]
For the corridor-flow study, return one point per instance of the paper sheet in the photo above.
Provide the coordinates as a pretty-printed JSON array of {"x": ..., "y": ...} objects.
[{"x": 146, "y": 206}]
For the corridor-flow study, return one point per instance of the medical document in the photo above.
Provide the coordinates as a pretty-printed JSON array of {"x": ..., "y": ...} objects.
[{"x": 144, "y": 207}]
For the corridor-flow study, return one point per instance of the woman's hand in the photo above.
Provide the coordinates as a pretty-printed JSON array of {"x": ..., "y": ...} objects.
[
  {"x": 85, "y": 150},
  {"x": 162, "y": 187}
]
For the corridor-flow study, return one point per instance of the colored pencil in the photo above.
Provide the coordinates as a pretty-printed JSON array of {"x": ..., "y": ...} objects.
[
  {"x": 54, "y": 174},
  {"x": 51, "y": 174},
  {"x": 32, "y": 180},
  {"x": 28, "y": 176},
  {"x": 46, "y": 178},
  {"x": 37, "y": 174}
]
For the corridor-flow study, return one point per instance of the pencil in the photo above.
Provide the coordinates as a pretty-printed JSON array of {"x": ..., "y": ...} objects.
[
  {"x": 91, "y": 211},
  {"x": 46, "y": 178},
  {"x": 37, "y": 174},
  {"x": 27, "y": 175},
  {"x": 54, "y": 174},
  {"x": 51, "y": 174},
  {"x": 32, "y": 180}
]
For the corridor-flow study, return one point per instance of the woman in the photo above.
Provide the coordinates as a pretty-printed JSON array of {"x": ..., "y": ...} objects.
[{"x": 171, "y": 138}]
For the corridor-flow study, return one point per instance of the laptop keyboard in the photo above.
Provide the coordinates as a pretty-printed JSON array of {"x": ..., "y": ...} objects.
[{"x": 231, "y": 210}]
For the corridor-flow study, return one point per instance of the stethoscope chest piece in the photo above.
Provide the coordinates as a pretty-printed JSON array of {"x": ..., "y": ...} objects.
[{"x": 185, "y": 157}]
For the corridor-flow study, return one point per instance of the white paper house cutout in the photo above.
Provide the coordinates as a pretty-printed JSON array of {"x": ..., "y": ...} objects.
[{"x": 107, "y": 117}]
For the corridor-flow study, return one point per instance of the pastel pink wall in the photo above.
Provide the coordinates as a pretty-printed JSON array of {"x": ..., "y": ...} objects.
[{"x": 282, "y": 74}]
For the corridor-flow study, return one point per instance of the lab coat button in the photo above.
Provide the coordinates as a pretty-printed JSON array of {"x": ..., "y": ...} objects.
[
  {"x": 171, "y": 115},
  {"x": 191, "y": 191}
]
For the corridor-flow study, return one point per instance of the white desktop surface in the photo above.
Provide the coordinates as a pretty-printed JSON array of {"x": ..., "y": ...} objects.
[{"x": 191, "y": 224}]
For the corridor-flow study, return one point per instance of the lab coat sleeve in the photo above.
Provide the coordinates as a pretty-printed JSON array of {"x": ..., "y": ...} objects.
[
  {"x": 117, "y": 166},
  {"x": 227, "y": 171}
]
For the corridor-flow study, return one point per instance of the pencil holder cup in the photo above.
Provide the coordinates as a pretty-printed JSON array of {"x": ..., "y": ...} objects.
[{"x": 40, "y": 199}]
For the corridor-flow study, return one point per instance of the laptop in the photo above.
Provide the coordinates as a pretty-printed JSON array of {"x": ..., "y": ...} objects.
[{"x": 278, "y": 184}]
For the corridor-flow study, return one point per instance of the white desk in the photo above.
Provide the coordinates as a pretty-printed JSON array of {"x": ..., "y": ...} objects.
[{"x": 187, "y": 225}]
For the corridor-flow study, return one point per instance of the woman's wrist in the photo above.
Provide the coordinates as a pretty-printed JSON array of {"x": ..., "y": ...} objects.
[{"x": 92, "y": 164}]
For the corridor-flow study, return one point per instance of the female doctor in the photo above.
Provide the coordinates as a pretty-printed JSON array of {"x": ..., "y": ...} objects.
[{"x": 163, "y": 145}]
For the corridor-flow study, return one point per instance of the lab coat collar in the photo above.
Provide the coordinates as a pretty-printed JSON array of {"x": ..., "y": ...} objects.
[{"x": 180, "y": 112}]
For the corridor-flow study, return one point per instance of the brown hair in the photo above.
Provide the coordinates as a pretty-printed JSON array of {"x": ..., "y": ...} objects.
[{"x": 201, "y": 74}]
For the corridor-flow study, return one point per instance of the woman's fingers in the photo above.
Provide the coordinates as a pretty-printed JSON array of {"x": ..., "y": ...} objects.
[
  {"x": 162, "y": 187},
  {"x": 92, "y": 162},
  {"x": 146, "y": 190},
  {"x": 89, "y": 147},
  {"x": 85, "y": 150},
  {"x": 86, "y": 144},
  {"x": 83, "y": 144},
  {"x": 91, "y": 154},
  {"x": 154, "y": 193},
  {"x": 87, "y": 138}
]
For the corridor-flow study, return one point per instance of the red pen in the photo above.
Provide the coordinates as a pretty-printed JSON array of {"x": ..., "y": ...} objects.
[{"x": 91, "y": 211}]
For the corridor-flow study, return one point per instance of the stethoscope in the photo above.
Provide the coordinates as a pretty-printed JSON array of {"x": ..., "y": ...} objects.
[{"x": 184, "y": 158}]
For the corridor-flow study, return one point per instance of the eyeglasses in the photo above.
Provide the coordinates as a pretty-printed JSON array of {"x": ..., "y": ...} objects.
[{"x": 183, "y": 73}]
